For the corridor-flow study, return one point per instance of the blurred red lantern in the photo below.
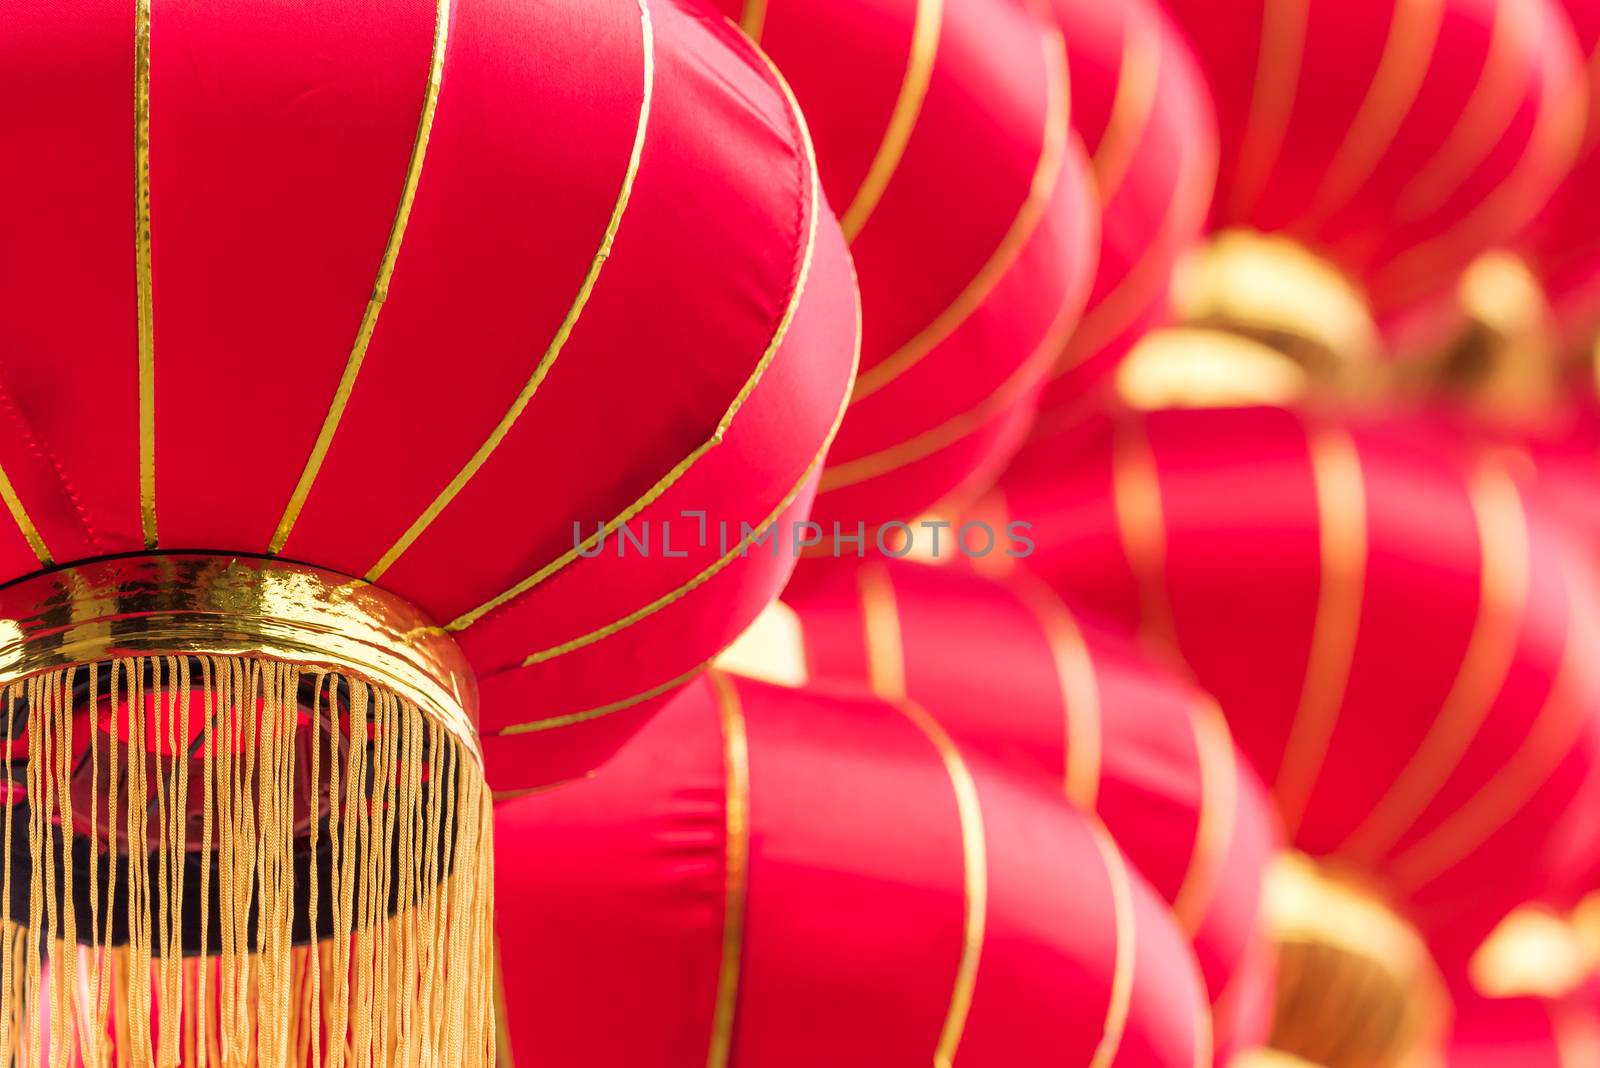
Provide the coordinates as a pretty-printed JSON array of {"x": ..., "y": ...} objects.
[
  {"x": 772, "y": 876},
  {"x": 943, "y": 141},
  {"x": 1398, "y": 640},
  {"x": 325, "y": 326},
  {"x": 1143, "y": 111},
  {"x": 1526, "y": 1032},
  {"x": 1015, "y": 676},
  {"x": 1563, "y": 243},
  {"x": 1396, "y": 139}
]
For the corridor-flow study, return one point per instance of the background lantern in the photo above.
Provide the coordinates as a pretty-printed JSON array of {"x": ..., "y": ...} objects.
[
  {"x": 1143, "y": 110},
  {"x": 777, "y": 876},
  {"x": 1531, "y": 1032},
  {"x": 1016, "y": 676},
  {"x": 1563, "y": 242},
  {"x": 1397, "y": 140},
  {"x": 943, "y": 141},
  {"x": 1395, "y": 635},
  {"x": 298, "y": 457}
]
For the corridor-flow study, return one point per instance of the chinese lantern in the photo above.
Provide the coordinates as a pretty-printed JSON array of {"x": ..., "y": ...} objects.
[
  {"x": 773, "y": 876},
  {"x": 325, "y": 325},
  {"x": 943, "y": 141},
  {"x": 1357, "y": 987},
  {"x": 1014, "y": 675},
  {"x": 1394, "y": 140},
  {"x": 1563, "y": 242},
  {"x": 1527, "y": 1032},
  {"x": 1143, "y": 111},
  {"x": 1396, "y": 636}
]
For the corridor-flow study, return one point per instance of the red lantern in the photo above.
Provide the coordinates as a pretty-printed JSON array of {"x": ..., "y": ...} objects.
[
  {"x": 771, "y": 876},
  {"x": 1396, "y": 139},
  {"x": 1563, "y": 244},
  {"x": 324, "y": 327},
  {"x": 1398, "y": 640},
  {"x": 1526, "y": 1032},
  {"x": 494, "y": 398},
  {"x": 1014, "y": 675},
  {"x": 943, "y": 141},
  {"x": 1143, "y": 110}
]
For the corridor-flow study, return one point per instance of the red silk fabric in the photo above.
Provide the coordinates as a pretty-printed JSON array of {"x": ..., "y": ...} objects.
[
  {"x": 1015, "y": 675},
  {"x": 1144, "y": 113},
  {"x": 1399, "y": 639},
  {"x": 1563, "y": 244},
  {"x": 942, "y": 138},
  {"x": 282, "y": 141},
  {"x": 772, "y": 877},
  {"x": 1398, "y": 139},
  {"x": 1525, "y": 1032}
]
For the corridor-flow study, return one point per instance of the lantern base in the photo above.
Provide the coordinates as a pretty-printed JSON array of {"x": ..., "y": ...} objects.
[
  {"x": 246, "y": 823},
  {"x": 1357, "y": 987}
]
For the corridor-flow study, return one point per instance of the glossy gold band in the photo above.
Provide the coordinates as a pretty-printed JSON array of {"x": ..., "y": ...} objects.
[
  {"x": 1357, "y": 987},
  {"x": 184, "y": 604},
  {"x": 1275, "y": 290}
]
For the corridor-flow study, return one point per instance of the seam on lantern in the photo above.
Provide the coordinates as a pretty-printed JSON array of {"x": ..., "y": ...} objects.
[
  {"x": 37, "y": 447},
  {"x": 1041, "y": 190},
  {"x": 736, "y": 884},
  {"x": 964, "y": 424},
  {"x": 1132, "y": 103},
  {"x": 1340, "y": 491},
  {"x": 1219, "y": 801},
  {"x": 1548, "y": 742},
  {"x": 975, "y": 880},
  {"x": 143, "y": 301},
  {"x": 1079, "y": 688},
  {"x": 1485, "y": 662},
  {"x": 753, "y": 19},
  {"x": 1491, "y": 106},
  {"x": 1280, "y": 57},
  {"x": 902, "y": 118},
  {"x": 1407, "y": 54},
  {"x": 1116, "y": 1022},
  {"x": 1552, "y": 146},
  {"x": 809, "y": 209},
  {"x": 563, "y": 332},
  {"x": 738, "y": 551},
  {"x": 881, "y": 636},
  {"x": 599, "y": 711},
  {"x": 380, "y": 287}
]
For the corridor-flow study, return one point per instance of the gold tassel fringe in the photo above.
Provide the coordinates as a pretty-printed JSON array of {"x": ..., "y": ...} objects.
[{"x": 209, "y": 955}]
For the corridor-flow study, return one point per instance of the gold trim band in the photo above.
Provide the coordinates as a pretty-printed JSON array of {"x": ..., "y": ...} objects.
[
  {"x": 902, "y": 120},
  {"x": 975, "y": 881},
  {"x": 380, "y": 287},
  {"x": 144, "y": 303},
  {"x": 1340, "y": 488},
  {"x": 1035, "y": 203},
  {"x": 525, "y": 397},
  {"x": 13, "y": 503},
  {"x": 1121, "y": 1000},
  {"x": 667, "y": 481},
  {"x": 236, "y": 606},
  {"x": 736, "y": 878}
]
